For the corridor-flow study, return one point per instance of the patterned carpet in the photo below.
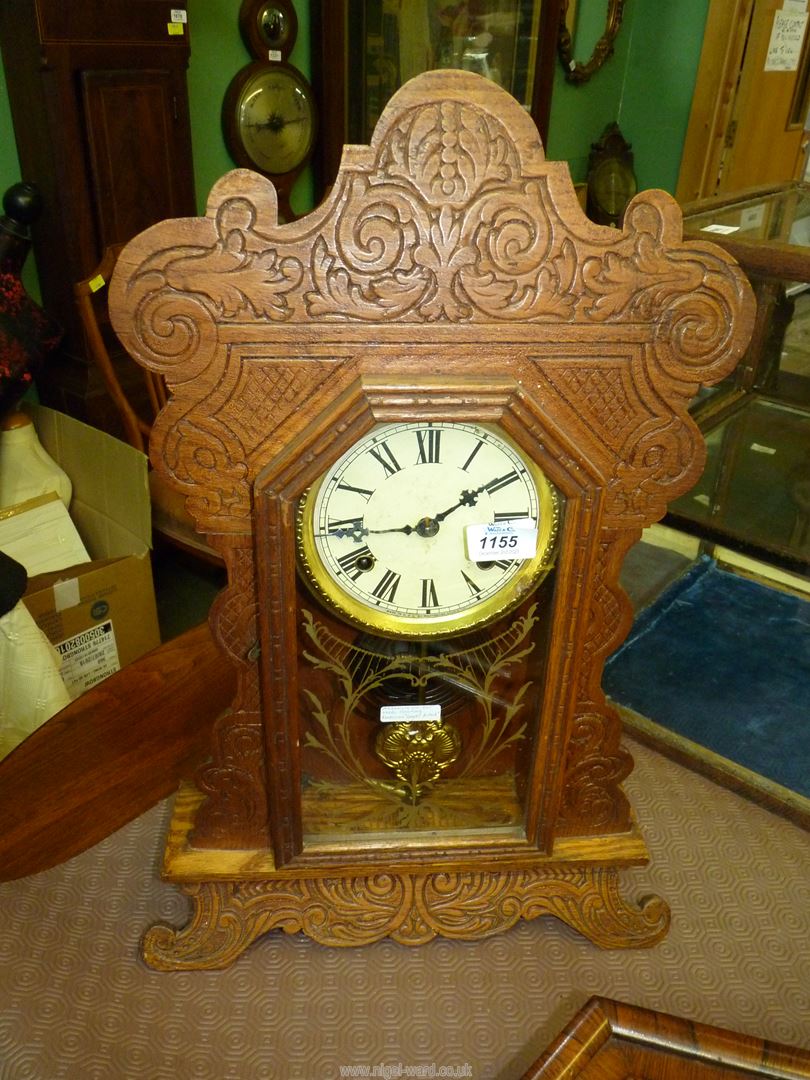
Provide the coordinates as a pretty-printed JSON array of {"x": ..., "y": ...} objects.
[{"x": 76, "y": 1000}]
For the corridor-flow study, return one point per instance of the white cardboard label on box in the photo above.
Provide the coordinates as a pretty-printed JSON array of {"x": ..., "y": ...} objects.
[
  {"x": 66, "y": 594},
  {"x": 406, "y": 714},
  {"x": 722, "y": 230},
  {"x": 88, "y": 657}
]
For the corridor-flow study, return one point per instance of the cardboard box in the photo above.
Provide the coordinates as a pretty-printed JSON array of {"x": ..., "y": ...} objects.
[{"x": 100, "y": 615}]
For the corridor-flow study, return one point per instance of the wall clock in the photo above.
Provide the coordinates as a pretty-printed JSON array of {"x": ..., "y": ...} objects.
[
  {"x": 445, "y": 352},
  {"x": 269, "y": 115},
  {"x": 611, "y": 179},
  {"x": 391, "y": 536},
  {"x": 269, "y": 28}
]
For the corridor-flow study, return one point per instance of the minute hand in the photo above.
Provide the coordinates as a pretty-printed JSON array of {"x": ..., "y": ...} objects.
[{"x": 468, "y": 498}]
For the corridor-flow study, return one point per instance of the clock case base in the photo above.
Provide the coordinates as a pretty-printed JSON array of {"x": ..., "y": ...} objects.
[{"x": 237, "y": 896}]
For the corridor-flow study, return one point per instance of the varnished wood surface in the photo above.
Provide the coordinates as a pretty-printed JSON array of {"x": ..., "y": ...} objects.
[
  {"x": 185, "y": 863},
  {"x": 111, "y": 754},
  {"x": 613, "y": 1041}
]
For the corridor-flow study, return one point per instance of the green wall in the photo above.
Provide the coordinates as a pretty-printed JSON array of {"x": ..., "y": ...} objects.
[
  {"x": 663, "y": 55},
  {"x": 580, "y": 113},
  {"x": 646, "y": 86},
  {"x": 10, "y": 174},
  {"x": 9, "y": 162},
  {"x": 217, "y": 53}
]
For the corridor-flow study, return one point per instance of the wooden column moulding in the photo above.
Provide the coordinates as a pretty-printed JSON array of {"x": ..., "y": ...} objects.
[{"x": 450, "y": 283}]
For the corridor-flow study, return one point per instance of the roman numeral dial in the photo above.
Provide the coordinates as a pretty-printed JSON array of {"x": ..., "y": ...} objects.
[{"x": 382, "y": 536}]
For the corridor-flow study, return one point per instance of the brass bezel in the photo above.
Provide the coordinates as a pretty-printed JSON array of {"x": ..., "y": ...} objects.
[
  {"x": 254, "y": 33},
  {"x": 387, "y": 624}
]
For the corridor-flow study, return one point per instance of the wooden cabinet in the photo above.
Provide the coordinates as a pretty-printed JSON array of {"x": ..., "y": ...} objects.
[
  {"x": 754, "y": 495},
  {"x": 100, "y": 108}
]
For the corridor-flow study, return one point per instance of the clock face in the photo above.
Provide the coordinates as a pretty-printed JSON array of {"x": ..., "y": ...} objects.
[
  {"x": 268, "y": 26},
  {"x": 272, "y": 118},
  {"x": 384, "y": 535},
  {"x": 613, "y": 186},
  {"x": 273, "y": 24}
]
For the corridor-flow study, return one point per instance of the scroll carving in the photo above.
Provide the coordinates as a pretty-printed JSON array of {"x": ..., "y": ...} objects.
[
  {"x": 447, "y": 222},
  {"x": 411, "y": 909}
]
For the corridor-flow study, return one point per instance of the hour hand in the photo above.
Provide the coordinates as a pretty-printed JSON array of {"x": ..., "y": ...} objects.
[
  {"x": 357, "y": 531},
  {"x": 348, "y": 529}
]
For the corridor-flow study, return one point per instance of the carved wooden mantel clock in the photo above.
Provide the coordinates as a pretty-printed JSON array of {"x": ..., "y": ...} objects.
[{"x": 423, "y": 425}]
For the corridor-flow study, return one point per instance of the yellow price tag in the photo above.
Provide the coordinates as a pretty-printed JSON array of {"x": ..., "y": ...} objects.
[
  {"x": 174, "y": 29},
  {"x": 97, "y": 283}
]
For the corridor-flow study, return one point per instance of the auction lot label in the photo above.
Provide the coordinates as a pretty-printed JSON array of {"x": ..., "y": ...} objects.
[{"x": 88, "y": 657}]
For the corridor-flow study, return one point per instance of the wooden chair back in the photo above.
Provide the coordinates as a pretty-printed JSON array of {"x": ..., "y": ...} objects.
[
  {"x": 138, "y": 396},
  {"x": 139, "y": 400}
]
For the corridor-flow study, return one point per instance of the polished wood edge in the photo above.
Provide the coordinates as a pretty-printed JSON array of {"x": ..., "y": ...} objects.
[
  {"x": 774, "y": 259},
  {"x": 755, "y": 191},
  {"x": 129, "y": 740},
  {"x": 604, "y": 1019},
  {"x": 183, "y": 862},
  {"x": 728, "y": 774}
]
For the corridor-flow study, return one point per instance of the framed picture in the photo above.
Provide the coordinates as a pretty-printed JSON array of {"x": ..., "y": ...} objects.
[{"x": 367, "y": 49}]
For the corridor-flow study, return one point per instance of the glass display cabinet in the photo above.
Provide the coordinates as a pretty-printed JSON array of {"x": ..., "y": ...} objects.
[{"x": 754, "y": 495}]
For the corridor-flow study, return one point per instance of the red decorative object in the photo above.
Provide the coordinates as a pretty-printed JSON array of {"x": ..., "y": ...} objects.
[{"x": 27, "y": 334}]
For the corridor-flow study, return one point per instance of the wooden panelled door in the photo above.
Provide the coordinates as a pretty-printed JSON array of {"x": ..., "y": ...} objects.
[{"x": 747, "y": 125}]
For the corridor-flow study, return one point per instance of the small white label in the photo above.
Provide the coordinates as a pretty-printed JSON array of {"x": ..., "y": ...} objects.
[
  {"x": 514, "y": 539},
  {"x": 702, "y": 499},
  {"x": 760, "y": 449},
  {"x": 88, "y": 657},
  {"x": 723, "y": 230},
  {"x": 66, "y": 594},
  {"x": 752, "y": 216},
  {"x": 785, "y": 45},
  {"x": 408, "y": 714},
  {"x": 179, "y": 15},
  {"x": 274, "y": 55}
]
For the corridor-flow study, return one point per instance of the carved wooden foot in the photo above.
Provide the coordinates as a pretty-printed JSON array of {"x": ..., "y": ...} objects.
[{"x": 412, "y": 909}]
